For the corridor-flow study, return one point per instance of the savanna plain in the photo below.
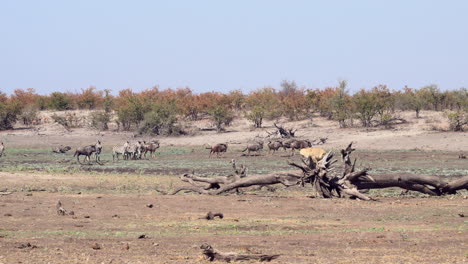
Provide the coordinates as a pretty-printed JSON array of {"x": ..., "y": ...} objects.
[{"x": 120, "y": 217}]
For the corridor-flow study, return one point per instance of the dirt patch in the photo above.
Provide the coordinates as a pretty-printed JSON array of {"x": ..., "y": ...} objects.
[{"x": 302, "y": 230}]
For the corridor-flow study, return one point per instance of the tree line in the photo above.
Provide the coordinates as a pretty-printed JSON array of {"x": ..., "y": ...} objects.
[{"x": 159, "y": 111}]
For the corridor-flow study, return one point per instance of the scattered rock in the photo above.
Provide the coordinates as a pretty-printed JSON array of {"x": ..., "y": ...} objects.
[
  {"x": 87, "y": 216},
  {"x": 149, "y": 205},
  {"x": 126, "y": 246},
  {"x": 7, "y": 214},
  {"x": 28, "y": 194},
  {"x": 115, "y": 216},
  {"x": 96, "y": 246},
  {"x": 461, "y": 215},
  {"x": 142, "y": 236},
  {"x": 211, "y": 216},
  {"x": 26, "y": 245}
]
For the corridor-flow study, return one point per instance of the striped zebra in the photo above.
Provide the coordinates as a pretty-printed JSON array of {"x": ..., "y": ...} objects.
[{"x": 119, "y": 150}]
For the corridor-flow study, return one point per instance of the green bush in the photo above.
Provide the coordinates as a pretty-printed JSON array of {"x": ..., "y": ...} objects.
[
  {"x": 60, "y": 101},
  {"x": 9, "y": 113},
  {"x": 221, "y": 117},
  {"x": 458, "y": 120},
  {"x": 161, "y": 120},
  {"x": 100, "y": 120}
]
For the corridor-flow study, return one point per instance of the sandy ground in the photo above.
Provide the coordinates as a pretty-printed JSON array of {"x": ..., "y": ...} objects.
[
  {"x": 420, "y": 134},
  {"x": 111, "y": 212}
]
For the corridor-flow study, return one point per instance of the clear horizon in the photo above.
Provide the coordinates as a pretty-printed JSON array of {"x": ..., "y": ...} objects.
[{"x": 224, "y": 46}]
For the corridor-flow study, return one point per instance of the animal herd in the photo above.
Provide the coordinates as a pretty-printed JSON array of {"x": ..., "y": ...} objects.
[
  {"x": 139, "y": 149},
  {"x": 304, "y": 146}
]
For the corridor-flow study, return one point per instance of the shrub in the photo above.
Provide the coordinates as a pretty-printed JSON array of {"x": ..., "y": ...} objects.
[
  {"x": 60, "y": 101},
  {"x": 100, "y": 120},
  {"x": 221, "y": 117},
  {"x": 458, "y": 120},
  {"x": 161, "y": 120},
  {"x": 256, "y": 115},
  {"x": 29, "y": 115},
  {"x": 9, "y": 113}
]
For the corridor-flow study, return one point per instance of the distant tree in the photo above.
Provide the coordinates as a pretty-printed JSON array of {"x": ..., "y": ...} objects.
[
  {"x": 262, "y": 104},
  {"x": 341, "y": 104},
  {"x": 366, "y": 108},
  {"x": 413, "y": 100},
  {"x": 108, "y": 101},
  {"x": 431, "y": 96},
  {"x": 130, "y": 109},
  {"x": 221, "y": 116},
  {"x": 160, "y": 120},
  {"x": 60, "y": 101},
  {"x": 256, "y": 115},
  {"x": 100, "y": 120},
  {"x": 89, "y": 98},
  {"x": 9, "y": 112},
  {"x": 293, "y": 101}
]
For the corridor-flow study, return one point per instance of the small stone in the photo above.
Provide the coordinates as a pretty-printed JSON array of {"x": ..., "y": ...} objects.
[
  {"x": 126, "y": 246},
  {"x": 96, "y": 246},
  {"x": 149, "y": 205}
]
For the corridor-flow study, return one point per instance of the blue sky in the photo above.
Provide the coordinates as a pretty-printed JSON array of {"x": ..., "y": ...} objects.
[{"x": 228, "y": 45}]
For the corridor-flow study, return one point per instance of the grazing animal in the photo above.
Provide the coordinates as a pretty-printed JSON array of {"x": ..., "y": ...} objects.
[
  {"x": 133, "y": 151},
  {"x": 256, "y": 147},
  {"x": 287, "y": 143},
  {"x": 87, "y": 151},
  {"x": 274, "y": 146},
  {"x": 150, "y": 147},
  {"x": 299, "y": 144},
  {"x": 2, "y": 148},
  {"x": 315, "y": 153},
  {"x": 218, "y": 148},
  {"x": 119, "y": 150},
  {"x": 61, "y": 149}
]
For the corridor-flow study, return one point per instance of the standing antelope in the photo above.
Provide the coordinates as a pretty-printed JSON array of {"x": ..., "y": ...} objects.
[
  {"x": 150, "y": 147},
  {"x": 299, "y": 144}
]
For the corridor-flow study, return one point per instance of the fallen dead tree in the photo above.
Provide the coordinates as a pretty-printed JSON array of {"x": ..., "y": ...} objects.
[
  {"x": 427, "y": 184},
  {"x": 282, "y": 132},
  {"x": 213, "y": 254},
  {"x": 350, "y": 183}
]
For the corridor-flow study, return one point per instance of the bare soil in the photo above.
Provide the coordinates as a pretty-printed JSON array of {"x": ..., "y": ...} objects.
[
  {"x": 301, "y": 229},
  {"x": 110, "y": 202}
]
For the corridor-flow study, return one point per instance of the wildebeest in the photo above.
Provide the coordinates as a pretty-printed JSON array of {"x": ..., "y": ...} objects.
[
  {"x": 119, "y": 150},
  {"x": 287, "y": 143},
  {"x": 299, "y": 144},
  {"x": 256, "y": 147},
  {"x": 150, "y": 147},
  {"x": 2, "y": 148},
  {"x": 274, "y": 146},
  {"x": 315, "y": 153},
  {"x": 218, "y": 148},
  {"x": 61, "y": 149},
  {"x": 87, "y": 151}
]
